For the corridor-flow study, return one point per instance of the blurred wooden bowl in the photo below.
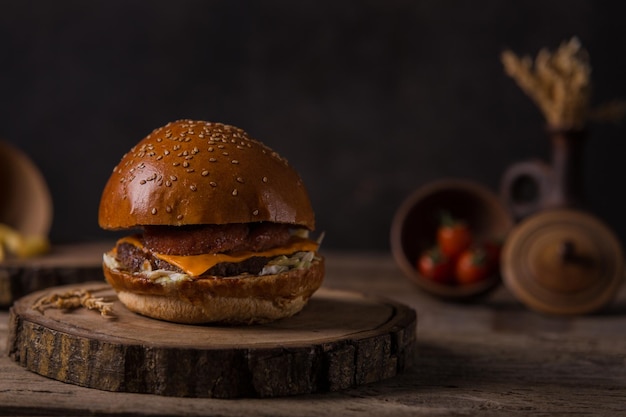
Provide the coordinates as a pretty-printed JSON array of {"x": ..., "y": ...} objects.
[
  {"x": 415, "y": 224},
  {"x": 25, "y": 201}
]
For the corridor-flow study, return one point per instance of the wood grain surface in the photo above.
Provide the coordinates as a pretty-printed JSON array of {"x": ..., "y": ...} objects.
[
  {"x": 488, "y": 357},
  {"x": 341, "y": 339}
]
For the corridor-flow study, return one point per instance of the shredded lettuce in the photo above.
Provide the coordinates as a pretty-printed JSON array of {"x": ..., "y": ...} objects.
[
  {"x": 110, "y": 262},
  {"x": 159, "y": 276},
  {"x": 298, "y": 260},
  {"x": 283, "y": 263}
]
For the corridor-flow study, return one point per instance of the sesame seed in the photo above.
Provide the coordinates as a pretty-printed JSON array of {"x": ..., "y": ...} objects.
[
  {"x": 240, "y": 180},
  {"x": 255, "y": 213},
  {"x": 168, "y": 183},
  {"x": 159, "y": 139},
  {"x": 192, "y": 187},
  {"x": 213, "y": 184},
  {"x": 212, "y": 160},
  {"x": 235, "y": 192},
  {"x": 210, "y": 149},
  {"x": 142, "y": 182},
  {"x": 234, "y": 161},
  {"x": 176, "y": 164},
  {"x": 264, "y": 179},
  {"x": 190, "y": 170},
  {"x": 154, "y": 210},
  {"x": 166, "y": 152},
  {"x": 168, "y": 209},
  {"x": 159, "y": 157},
  {"x": 179, "y": 217},
  {"x": 225, "y": 153},
  {"x": 205, "y": 173},
  {"x": 173, "y": 177},
  {"x": 185, "y": 164}
]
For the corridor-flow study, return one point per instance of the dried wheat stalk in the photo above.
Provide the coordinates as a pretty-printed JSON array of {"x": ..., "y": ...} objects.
[
  {"x": 560, "y": 85},
  {"x": 75, "y": 299}
]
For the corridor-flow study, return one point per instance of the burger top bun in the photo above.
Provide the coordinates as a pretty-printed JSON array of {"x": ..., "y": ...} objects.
[{"x": 195, "y": 172}]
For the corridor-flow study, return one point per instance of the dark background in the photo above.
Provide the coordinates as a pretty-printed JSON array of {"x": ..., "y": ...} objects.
[{"x": 369, "y": 100}]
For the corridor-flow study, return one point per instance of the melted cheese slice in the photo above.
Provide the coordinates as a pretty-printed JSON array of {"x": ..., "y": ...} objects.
[{"x": 195, "y": 265}]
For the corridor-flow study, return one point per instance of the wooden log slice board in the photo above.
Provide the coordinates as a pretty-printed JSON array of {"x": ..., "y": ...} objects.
[
  {"x": 64, "y": 264},
  {"x": 339, "y": 340}
]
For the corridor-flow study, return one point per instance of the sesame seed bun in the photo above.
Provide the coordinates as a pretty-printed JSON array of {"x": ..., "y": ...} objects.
[
  {"x": 234, "y": 300},
  {"x": 195, "y": 172}
]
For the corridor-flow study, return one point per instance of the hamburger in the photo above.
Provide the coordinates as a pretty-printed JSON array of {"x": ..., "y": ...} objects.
[{"x": 218, "y": 225}]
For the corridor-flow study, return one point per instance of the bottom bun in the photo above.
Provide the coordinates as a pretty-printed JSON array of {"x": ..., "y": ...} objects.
[{"x": 234, "y": 300}]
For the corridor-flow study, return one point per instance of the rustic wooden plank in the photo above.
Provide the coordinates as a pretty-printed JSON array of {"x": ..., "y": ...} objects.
[
  {"x": 490, "y": 357},
  {"x": 132, "y": 353},
  {"x": 64, "y": 264},
  {"x": 458, "y": 373}
]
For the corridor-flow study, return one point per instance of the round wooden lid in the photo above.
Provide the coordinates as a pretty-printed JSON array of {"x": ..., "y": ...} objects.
[{"x": 563, "y": 261}]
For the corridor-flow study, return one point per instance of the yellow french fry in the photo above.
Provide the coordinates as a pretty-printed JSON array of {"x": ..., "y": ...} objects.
[{"x": 14, "y": 243}]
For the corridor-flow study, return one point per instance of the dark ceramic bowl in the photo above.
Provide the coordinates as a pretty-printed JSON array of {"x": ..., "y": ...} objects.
[
  {"x": 416, "y": 221},
  {"x": 25, "y": 202}
]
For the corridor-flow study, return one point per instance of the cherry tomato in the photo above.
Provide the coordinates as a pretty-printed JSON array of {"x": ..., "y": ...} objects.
[
  {"x": 434, "y": 265},
  {"x": 472, "y": 266},
  {"x": 453, "y": 236}
]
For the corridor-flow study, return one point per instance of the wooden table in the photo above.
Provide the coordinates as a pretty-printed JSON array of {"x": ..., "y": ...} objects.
[{"x": 491, "y": 357}]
